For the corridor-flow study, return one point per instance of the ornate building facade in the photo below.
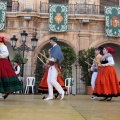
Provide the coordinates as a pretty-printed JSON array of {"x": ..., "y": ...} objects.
[{"x": 86, "y": 28}]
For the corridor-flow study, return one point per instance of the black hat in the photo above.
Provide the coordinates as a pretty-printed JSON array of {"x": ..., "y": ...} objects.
[
  {"x": 54, "y": 39},
  {"x": 99, "y": 48}
]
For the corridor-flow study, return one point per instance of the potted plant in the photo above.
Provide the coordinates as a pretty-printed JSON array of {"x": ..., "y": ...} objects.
[{"x": 83, "y": 57}]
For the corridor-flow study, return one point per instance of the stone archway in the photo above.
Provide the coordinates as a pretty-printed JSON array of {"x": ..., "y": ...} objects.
[
  {"x": 60, "y": 42},
  {"x": 116, "y": 56}
]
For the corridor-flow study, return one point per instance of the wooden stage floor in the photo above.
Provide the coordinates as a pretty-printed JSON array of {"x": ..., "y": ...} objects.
[{"x": 79, "y": 107}]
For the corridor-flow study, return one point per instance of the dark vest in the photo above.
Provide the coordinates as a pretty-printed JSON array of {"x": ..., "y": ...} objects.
[{"x": 104, "y": 62}]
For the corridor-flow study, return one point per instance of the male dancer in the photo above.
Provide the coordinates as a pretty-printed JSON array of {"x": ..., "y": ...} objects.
[
  {"x": 95, "y": 66},
  {"x": 56, "y": 57}
]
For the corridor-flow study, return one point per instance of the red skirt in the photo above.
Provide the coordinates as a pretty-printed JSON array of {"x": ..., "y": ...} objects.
[
  {"x": 6, "y": 69},
  {"x": 107, "y": 84},
  {"x": 43, "y": 87},
  {"x": 9, "y": 82}
]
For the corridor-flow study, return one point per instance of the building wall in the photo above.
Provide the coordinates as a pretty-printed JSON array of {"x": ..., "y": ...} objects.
[{"x": 79, "y": 36}]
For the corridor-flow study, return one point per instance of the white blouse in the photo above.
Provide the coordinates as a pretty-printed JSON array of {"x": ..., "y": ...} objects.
[
  {"x": 3, "y": 51},
  {"x": 110, "y": 61}
]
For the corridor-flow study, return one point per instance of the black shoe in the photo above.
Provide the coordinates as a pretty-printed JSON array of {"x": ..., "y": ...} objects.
[
  {"x": 5, "y": 96},
  {"x": 56, "y": 95},
  {"x": 109, "y": 99},
  {"x": 44, "y": 97},
  {"x": 104, "y": 99}
]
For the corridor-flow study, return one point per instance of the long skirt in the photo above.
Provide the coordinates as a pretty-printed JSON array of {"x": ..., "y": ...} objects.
[
  {"x": 9, "y": 81},
  {"x": 43, "y": 86},
  {"x": 107, "y": 84}
]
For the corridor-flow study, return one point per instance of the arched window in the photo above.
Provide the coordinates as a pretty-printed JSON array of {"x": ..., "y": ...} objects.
[
  {"x": 107, "y": 3},
  {"x": 58, "y": 1}
]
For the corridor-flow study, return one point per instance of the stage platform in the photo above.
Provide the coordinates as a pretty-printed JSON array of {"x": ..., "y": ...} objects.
[{"x": 79, "y": 107}]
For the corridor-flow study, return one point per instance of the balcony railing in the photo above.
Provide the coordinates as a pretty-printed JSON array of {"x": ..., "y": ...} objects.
[
  {"x": 83, "y": 9},
  {"x": 77, "y": 8},
  {"x": 44, "y": 7}
]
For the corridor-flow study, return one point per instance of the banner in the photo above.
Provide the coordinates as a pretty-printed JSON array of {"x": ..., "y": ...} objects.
[
  {"x": 3, "y": 8},
  {"x": 112, "y": 17},
  {"x": 58, "y": 17}
]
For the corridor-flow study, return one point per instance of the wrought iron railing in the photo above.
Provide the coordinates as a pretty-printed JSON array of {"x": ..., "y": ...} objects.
[
  {"x": 77, "y": 8},
  {"x": 12, "y": 6},
  {"x": 83, "y": 9},
  {"x": 44, "y": 7}
]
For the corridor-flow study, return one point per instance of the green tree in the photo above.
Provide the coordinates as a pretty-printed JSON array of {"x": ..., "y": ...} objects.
[
  {"x": 69, "y": 58},
  {"x": 18, "y": 58},
  {"x": 86, "y": 55}
]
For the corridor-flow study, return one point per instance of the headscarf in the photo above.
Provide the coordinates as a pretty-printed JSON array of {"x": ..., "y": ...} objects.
[
  {"x": 110, "y": 50},
  {"x": 2, "y": 39}
]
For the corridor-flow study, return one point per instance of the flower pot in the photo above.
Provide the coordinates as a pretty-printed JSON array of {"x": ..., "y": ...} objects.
[{"x": 89, "y": 90}]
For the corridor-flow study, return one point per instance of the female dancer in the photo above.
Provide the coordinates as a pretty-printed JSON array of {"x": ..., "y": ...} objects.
[
  {"x": 106, "y": 84},
  {"x": 9, "y": 81}
]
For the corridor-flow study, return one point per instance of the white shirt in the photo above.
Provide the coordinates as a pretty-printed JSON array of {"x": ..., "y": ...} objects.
[
  {"x": 54, "y": 45},
  {"x": 3, "y": 51},
  {"x": 110, "y": 61},
  {"x": 18, "y": 70}
]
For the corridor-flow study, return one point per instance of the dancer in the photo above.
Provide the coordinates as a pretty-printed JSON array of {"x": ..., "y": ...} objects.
[
  {"x": 95, "y": 66},
  {"x": 9, "y": 82},
  {"x": 43, "y": 86},
  {"x": 107, "y": 84},
  {"x": 56, "y": 57}
]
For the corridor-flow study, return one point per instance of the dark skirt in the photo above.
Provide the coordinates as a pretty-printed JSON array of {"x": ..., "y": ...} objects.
[
  {"x": 43, "y": 87},
  {"x": 9, "y": 81},
  {"x": 107, "y": 84}
]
